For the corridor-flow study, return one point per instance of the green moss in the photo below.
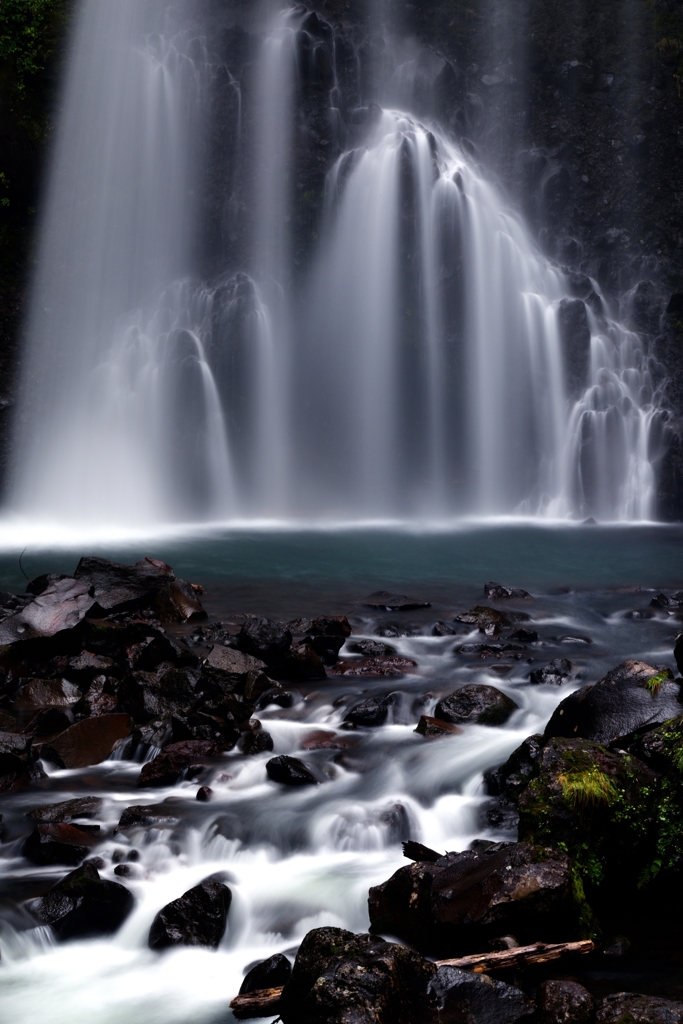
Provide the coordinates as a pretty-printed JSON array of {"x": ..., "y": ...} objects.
[
  {"x": 654, "y": 682},
  {"x": 587, "y": 789}
]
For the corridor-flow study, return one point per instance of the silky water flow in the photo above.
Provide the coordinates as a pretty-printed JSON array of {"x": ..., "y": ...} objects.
[{"x": 415, "y": 369}]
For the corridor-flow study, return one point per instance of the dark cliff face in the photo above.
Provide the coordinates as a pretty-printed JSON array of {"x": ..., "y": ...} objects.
[{"x": 575, "y": 107}]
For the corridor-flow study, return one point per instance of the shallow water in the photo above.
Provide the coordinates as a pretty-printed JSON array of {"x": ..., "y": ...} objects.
[{"x": 298, "y": 859}]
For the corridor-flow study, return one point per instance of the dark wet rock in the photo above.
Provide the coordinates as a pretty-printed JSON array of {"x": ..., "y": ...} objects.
[
  {"x": 678, "y": 652},
  {"x": 165, "y": 769},
  {"x": 372, "y": 649},
  {"x": 374, "y": 667},
  {"x": 43, "y": 693},
  {"x": 371, "y": 712},
  {"x": 57, "y": 843},
  {"x": 61, "y": 606},
  {"x": 564, "y": 1002},
  {"x": 15, "y": 743},
  {"x": 515, "y": 774},
  {"x": 265, "y": 640},
  {"x": 300, "y": 664},
  {"x": 150, "y": 652},
  {"x": 475, "y": 703},
  {"x": 204, "y": 794},
  {"x": 321, "y": 739},
  {"x": 274, "y": 972},
  {"x": 290, "y": 771},
  {"x": 339, "y": 977},
  {"x": 489, "y": 620},
  {"x": 631, "y": 1008},
  {"x": 497, "y": 592},
  {"x": 118, "y": 587},
  {"x": 7, "y": 721},
  {"x": 101, "y": 698},
  {"x": 486, "y": 651},
  {"x": 554, "y": 673},
  {"x": 435, "y": 728},
  {"x": 330, "y": 625},
  {"x": 148, "y": 815},
  {"x": 83, "y": 905},
  {"x": 276, "y": 695},
  {"x": 462, "y": 997},
  {"x": 629, "y": 698},
  {"x": 197, "y": 918},
  {"x": 444, "y": 629},
  {"x": 86, "y": 665},
  {"x": 417, "y": 852},
  {"x": 574, "y": 638},
  {"x": 14, "y": 773},
  {"x": 617, "y": 945},
  {"x": 462, "y": 900},
  {"x": 326, "y": 647},
  {"x": 235, "y": 664},
  {"x": 256, "y": 742},
  {"x": 525, "y": 636},
  {"x": 67, "y": 810},
  {"x": 92, "y": 740},
  {"x": 178, "y": 601},
  {"x": 40, "y": 584},
  {"x": 388, "y": 602}
]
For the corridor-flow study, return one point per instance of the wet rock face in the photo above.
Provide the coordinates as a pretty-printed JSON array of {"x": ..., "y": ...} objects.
[
  {"x": 564, "y": 1002},
  {"x": 632, "y": 696},
  {"x": 628, "y": 1007},
  {"x": 290, "y": 771},
  {"x": 461, "y": 900},
  {"x": 554, "y": 673},
  {"x": 475, "y": 703},
  {"x": 489, "y": 620},
  {"x": 339, "y": 977},
  {"x": 58, "y": 843},
  {"x": 82, "y": 905},
  {"x": 197, "y": 918},
  {"x": 165, "y": 768},
  {"x": 265, "y": 640},
  {"x": 461, "y": 997},
  {"x": 271, "y": 973}
]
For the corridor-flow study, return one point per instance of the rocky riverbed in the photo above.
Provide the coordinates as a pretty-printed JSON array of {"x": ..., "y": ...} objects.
[{"x": 175, "y": 782}]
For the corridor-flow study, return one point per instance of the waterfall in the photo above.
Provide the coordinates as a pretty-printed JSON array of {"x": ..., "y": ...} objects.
[{"x": 424, "y": 361}]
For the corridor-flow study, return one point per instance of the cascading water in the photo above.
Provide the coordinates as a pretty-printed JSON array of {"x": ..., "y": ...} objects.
[{"x": 418, "y": 366}]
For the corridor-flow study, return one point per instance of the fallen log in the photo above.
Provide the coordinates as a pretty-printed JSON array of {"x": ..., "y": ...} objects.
[
  {"x": 263, "y": 1002},
  {"x": 266, "y": 1002},
  {"x": 518, "y": 956}
]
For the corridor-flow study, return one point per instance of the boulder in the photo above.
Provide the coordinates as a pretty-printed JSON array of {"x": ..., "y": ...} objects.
[
  {"x": 197, "y": 918},
  {"x": 372, "y": 649},
  {"x": 330, "y": 625},
  {"x": 162, "y": 815},
  {"x": 235, "y": 664},
  {"x": 58, "y": 843},
  {"x": 436, "y": 728},
  {"x": 339, "y": 977},
  {"x": 177, "y": 601},
  {"x": 86, "y": 665},
  {"x": 554, "y": 673},
  {"x": 444, "y": 629},
  {"x": 497, "y": 592},
  {"x": 265, "y": 640},
  {"x": 14, "y": 773},
  {"x": 274, "y": 972},
  {"x": 463, "y": 997},
  {"x": 92, "y": 740},
  {"x": 7, "y": 721},
  {"x": 475, "y": 703},
  {"x": 165, "y": 769},
  {"x": 16, "y": 743},
  {"x": 258, "y": 741},
  {"x": 44, "y": 693},
  {"x": 631, "y": 697},
  {"x": 564, "y": 1002},
  {"x": 375, "y": 668},
  {"x": 462, "y": 900},
  {"x": 489, "y": 620},
  {"x": 326, "y": 647},
  {"x": 67, "y": 810},
  {"x": 388, "y": 602},
  {"x": 301, "y": 663},
  {"x": 371, "y": 712},
  {"x": 61, "y": 606},
  {"x": 512, "y": 777},
  {"x": 631, "y": 1008},
  {"x": 118, "y": 587},
  {"x": 101, "y": 698},
  {"x": 290, "y": 771},
  {"x": 82, "y": 905}
]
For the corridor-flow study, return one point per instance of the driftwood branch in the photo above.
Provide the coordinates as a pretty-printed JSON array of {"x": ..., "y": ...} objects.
[
  {"x": 266, "y": 1002},
  {"x": 518, "y": 956}
]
